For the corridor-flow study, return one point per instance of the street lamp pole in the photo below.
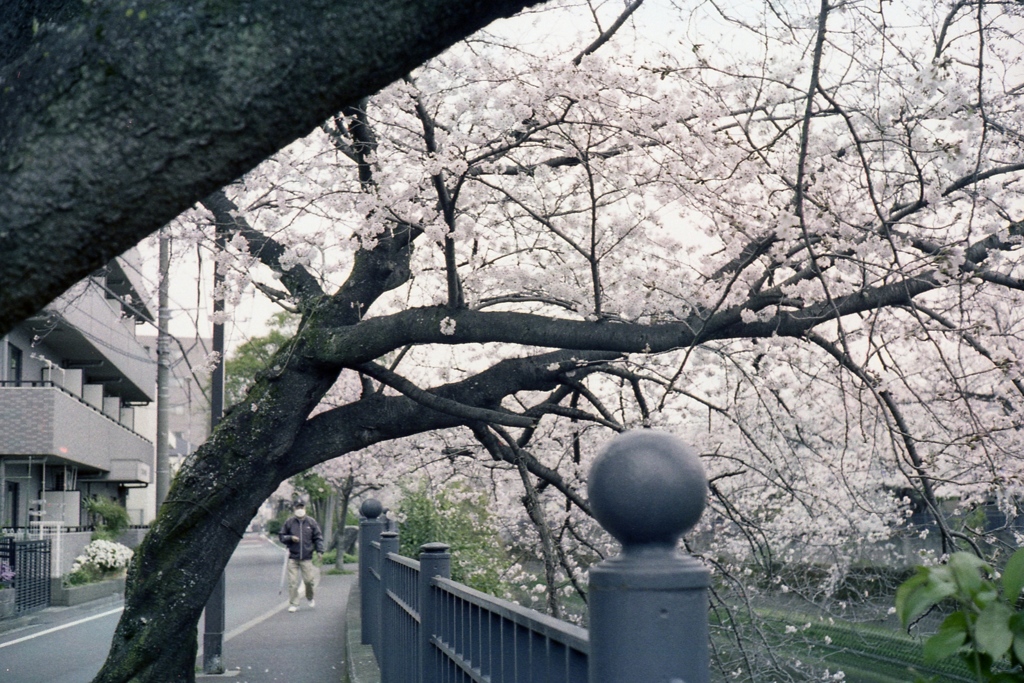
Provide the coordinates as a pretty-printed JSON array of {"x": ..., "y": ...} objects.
[
  {"x": 163, "y": 353},
  {"x": 213, "y": 636}
]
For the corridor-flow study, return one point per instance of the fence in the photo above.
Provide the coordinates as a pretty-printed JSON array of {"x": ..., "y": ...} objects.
[
  {"x": 648, "y": 606},
  {"x": 31, "y": 563}
]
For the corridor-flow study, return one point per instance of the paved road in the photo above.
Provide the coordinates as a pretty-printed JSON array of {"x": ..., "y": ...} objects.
[
  {"x": 64, "y": 646},
  {"x": 262, "y": 643}
]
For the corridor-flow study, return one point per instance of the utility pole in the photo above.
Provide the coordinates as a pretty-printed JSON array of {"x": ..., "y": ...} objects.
[
  {"x": 163, "y": 387},
  {"x": 213, "y": 637}
]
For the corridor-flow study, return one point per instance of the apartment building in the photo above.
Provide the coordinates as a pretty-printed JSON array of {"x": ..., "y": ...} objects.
[{"x": 75, "y": 383}]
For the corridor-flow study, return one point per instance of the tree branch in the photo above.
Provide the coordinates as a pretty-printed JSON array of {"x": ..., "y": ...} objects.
[
  {"x": 129, "y": 100},
  {"x": 373, "y": 337},
  {"x": 300, "y": 283},
  {"x": 442, "y": 405},
  {"x": 900, "y": 429},
  {"x": 607, "y": 35}
]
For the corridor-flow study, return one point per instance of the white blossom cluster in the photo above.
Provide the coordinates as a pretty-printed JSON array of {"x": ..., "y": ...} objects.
[{"x": 107, "y": 556}]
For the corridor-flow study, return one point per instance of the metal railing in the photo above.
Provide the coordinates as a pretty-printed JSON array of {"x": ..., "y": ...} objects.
[
  {"x": 479, "y": 634},
  {"x": 648, "y": 605}
]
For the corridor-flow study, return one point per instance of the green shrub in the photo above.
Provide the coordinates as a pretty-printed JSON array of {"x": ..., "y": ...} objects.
[
  {"x": 987, "y": 630},
  {"x": 85, "y": 574},
  {"x": 114, "y": 519},
  {"x": 459, "y": 517},
  {"x": 274, "y": 525}
]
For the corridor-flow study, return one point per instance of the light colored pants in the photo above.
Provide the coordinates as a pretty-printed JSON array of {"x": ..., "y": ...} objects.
[{"x": 310, "y": 577}]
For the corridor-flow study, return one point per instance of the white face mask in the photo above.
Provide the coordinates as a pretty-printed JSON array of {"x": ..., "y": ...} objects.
[{"x": 300, "y": 513}]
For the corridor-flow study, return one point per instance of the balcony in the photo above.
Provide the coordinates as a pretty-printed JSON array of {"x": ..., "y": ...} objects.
[
  {"x": 85, "y": 330},
  {"x": 42, "y": 419}
]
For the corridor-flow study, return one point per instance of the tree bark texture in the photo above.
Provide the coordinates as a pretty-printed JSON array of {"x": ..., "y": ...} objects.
[
  {"x": 219, "y": 490},
  {"x": 117, "y": 116}
]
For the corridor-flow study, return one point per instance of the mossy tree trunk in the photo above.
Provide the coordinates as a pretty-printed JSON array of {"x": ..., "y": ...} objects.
[
  {"x": 160, "y": 102},
  {"x": 270, "y": 436},
  {"x": 220, "y": 487}
]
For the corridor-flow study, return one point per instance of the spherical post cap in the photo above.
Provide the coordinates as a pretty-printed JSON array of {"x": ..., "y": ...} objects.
[
  {"x": 371, "y": 508},
  {"x": 647, "y": 487}
]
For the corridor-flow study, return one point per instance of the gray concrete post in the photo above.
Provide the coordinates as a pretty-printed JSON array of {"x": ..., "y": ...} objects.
[
  {"x": 386, "y": 657},
  {"x": 435, "y": 560},
  {"x": 370, "y": 528},
  {"x": 648, "y": 605}
]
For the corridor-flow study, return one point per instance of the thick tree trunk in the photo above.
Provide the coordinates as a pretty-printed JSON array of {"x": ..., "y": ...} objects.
[
  {"x": 127, "y": 113},
  {"x": 207, "y": 510},
  {"x": 218, "y": 490}
]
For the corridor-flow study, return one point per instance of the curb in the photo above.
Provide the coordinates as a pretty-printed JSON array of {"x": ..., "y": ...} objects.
[{"x": 360, "y": 664}]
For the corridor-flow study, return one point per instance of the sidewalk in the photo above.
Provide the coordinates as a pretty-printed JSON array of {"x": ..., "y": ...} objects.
[
  {"x": 291, "y": 647},
  {"x": 307, "y": 646}
]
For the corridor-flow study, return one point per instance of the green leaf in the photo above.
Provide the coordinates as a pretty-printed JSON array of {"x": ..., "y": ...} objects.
[
  {"x": 1018, "y": 648},
  {"x": 1013, "y": 576},
  {"x": 957, "y": 621},
  {"x": 921, "y": 592},
  {"x": 986, "y": 596},
  {"x": 992, "y": 632},
  {"x": 943, "y": 644},
  {"x": 951, "y": 635},
  {"x": 966, "y": 572},
  {"x": 1005, "y": 677},
  {"x": 906, "y": 596},
  {"x": 979, "y": 663}
]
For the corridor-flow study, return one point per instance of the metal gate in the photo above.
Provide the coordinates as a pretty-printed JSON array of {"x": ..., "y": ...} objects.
[{"x": 31, "y": 563}]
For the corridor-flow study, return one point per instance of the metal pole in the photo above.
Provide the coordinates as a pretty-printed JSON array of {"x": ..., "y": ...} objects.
[
  {"x": 163, "y": 387},
  {"x": 370, "y": 528},
  {"x": 435, "y": 560},
  {"x": 213, "y": 637},
  {"x": 3, "y": 493},
  {"x": 648, "y": 605}
]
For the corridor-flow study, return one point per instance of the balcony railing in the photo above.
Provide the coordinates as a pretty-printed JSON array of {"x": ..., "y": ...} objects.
[
  {"x": 50, "y": 384},
  {"x": 44, "y": 419}
]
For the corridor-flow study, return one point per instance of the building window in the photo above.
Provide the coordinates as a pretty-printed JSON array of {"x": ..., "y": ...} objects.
[{"x": 13, "y": 363}]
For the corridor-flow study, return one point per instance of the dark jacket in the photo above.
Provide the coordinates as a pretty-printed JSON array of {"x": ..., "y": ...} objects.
[{"x": 309, "y": 534}]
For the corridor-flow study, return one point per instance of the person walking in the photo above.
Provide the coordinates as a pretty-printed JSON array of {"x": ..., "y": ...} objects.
[{"x": 302, "y": 536}]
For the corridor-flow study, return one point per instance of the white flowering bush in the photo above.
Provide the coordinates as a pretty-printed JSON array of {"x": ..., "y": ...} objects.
[
  {"x": 107, "y": 555},
  {"x": 99, "y": 560}
]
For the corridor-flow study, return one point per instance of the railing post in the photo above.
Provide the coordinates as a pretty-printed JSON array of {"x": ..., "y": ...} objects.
[
  {"x": 648, "y": 605},
  {"x": 370, "y": 527},
  {"x": 435, "y": 560},
  {"x": 386, "y": 629}
]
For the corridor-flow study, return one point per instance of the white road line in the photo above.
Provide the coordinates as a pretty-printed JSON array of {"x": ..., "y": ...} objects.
[
  {"x": 239, "y": 630},
  {"x": 62, "y": 627},
  {"x": 228, "y": 636},
  {"x": 253, "y": 622}
]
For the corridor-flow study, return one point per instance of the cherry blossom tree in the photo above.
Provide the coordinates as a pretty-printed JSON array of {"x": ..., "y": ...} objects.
[{"x": 787, "y": 232}]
